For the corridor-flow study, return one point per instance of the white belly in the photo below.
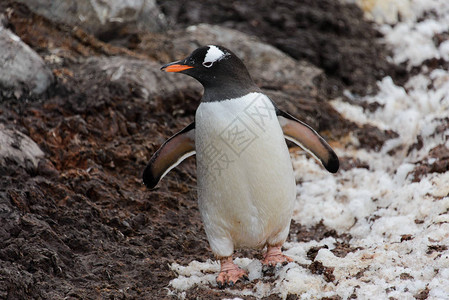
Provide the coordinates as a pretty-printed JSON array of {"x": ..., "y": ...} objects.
[{"x": 246, "y": 187}]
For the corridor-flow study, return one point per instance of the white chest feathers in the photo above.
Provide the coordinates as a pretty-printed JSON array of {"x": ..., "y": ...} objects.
[{"x": 246, "y": 187}]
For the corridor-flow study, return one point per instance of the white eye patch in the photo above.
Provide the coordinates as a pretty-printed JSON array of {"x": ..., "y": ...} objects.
[{"x": 213, "y": 54}]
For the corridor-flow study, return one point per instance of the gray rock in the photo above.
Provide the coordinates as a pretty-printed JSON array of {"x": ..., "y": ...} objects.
[
  {"x": 18, "y": 147},
  {"x": 143, "y": 76},
  {"x": 20, "y": 66},
  {"x": 98, "y": 16}
]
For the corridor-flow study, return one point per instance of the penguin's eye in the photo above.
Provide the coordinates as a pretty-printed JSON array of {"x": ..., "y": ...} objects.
[{"x": 207, "y": 64}]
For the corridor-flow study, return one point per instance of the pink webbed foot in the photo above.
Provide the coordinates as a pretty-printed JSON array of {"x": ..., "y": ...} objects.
[
  {"x": 274, "y": 256},
  {"x": 230, "y": 273}
]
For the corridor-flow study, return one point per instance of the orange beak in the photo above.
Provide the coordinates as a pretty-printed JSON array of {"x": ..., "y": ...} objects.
[{"x": 175, "y": 67}]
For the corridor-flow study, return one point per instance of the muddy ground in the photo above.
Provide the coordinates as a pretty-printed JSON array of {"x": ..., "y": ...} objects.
[{"x": 82, "y": 225}]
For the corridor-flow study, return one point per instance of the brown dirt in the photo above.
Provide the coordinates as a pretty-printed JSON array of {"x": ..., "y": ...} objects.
[
  {"x": 82, "y": 225},
  {"x": 440, "y": 155}
]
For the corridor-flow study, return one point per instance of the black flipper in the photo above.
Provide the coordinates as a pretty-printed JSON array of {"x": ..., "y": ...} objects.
[
  {"x": 169, "y": 155},
  {"x": 304, "y": 136}
]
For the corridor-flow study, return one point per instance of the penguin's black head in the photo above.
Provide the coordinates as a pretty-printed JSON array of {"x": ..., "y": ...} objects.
[{"x": 222, "y": 74}]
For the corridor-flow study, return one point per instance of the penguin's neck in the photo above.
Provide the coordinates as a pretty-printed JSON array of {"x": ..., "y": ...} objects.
[{"x": 226, "y": 91}]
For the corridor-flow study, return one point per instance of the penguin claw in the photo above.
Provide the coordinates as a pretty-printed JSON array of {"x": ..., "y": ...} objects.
[
  {"x": 274, "y": 256},
  {"x": 229, "y": 279},
  {"x": 230, "y": 275}
]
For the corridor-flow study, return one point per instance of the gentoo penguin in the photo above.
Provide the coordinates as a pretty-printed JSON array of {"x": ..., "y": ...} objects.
[{"x": 246, "y": 186}]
